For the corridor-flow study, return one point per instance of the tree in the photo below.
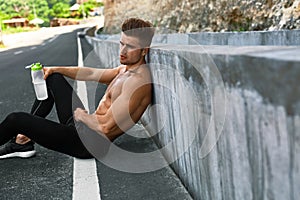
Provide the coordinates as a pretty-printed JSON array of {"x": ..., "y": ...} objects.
[
  {"x": 52, "y": 3},
  {"x": 41, "y": 10},
  {"x": 60, "y": 10},
  {"x": 88, "y": 6},
  {"x": 25, "y": 8},
  {"x": 44, "y": 9}
]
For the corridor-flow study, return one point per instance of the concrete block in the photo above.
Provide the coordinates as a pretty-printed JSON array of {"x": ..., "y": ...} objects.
[{"x": 256, "y": 154}]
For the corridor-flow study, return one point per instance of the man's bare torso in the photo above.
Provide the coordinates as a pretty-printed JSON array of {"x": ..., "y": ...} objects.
[{"x": 119, "y": 87}]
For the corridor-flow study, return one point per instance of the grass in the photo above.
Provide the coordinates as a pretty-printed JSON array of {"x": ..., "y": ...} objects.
[{"x": 19, "y": 30}]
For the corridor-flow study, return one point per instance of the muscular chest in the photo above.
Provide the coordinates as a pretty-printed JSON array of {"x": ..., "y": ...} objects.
[{"x": 116, "y": 86}]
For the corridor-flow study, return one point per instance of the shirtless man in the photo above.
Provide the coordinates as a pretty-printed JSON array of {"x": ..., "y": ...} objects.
[{"x": 125, "y": 100}]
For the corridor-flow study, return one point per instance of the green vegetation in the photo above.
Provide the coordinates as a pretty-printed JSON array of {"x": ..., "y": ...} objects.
[
  {"x": 60, "y": 10},
  {"x": 19, "y": 29},
  {"x": 43, "y": 9},
  {"x": 24, "y": 8}
]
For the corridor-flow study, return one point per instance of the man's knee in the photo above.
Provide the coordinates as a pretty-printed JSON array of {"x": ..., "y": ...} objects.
[
  {"x": 54, "y": 78},
  {"x": 16, "y": 116}
]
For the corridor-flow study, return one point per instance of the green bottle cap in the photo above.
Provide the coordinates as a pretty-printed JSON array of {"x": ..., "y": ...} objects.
[{"x": 36, "y": 66}]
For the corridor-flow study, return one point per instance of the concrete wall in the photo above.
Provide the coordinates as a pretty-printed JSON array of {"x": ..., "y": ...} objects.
[
  {"x": 251, "y": 38},
  {"x": 281, "y": 38},
  {"x": 252, "y": 153}
]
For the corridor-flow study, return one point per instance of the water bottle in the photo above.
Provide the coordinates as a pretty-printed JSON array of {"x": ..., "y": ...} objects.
[{"x": 38, "y": 81}]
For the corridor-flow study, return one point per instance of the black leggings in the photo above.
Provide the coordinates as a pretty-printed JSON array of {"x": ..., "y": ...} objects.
[{"x": 62, "y": 137}]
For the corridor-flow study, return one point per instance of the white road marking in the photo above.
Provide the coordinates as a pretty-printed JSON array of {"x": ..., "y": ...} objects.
[
  {"x": 52, "y": 39},
  {"x": 33, "y": 48},
  {"x": 18, "y": 52},
  {"x": 81, "y": 86},
  {"x": 85, "y": 179}
]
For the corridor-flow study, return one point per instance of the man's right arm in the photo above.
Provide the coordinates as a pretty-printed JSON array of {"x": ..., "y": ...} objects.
[{"x": 84, "y": 73}]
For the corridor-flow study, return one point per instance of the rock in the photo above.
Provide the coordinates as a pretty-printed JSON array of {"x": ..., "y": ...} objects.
[{"x": 195, "y": 15}]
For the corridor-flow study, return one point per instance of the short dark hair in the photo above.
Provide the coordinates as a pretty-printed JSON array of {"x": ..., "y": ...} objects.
[{"x": 139, "y": 28}]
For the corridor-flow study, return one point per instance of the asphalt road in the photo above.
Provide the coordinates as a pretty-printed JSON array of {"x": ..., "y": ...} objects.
[{"x": 49, "y": 174}]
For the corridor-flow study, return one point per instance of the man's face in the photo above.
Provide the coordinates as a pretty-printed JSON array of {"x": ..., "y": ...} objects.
[{"x": 130, "y": 50}]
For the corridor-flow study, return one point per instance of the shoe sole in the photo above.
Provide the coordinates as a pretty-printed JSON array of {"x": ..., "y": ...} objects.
[{"x": 26, "y": 154}]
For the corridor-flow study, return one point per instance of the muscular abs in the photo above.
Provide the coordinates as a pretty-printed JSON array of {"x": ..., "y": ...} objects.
[{"x": 117, "y": 92}]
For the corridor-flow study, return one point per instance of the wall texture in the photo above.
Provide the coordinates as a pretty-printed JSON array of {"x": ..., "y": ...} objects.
[
  {"x": 247, "y": 38},
  {"x": 206, "y": 15},
  {"x": 254, "y": 153}
]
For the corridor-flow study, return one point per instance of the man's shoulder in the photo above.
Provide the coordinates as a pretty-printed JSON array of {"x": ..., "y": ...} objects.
[
  {"x": 117, "y": 70},
  {"x": 121, "y": 68}
]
